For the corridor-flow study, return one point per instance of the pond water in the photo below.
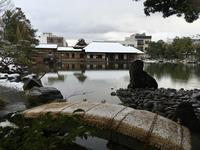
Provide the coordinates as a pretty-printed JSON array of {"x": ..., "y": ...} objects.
[{"x": 97, "y": 85}]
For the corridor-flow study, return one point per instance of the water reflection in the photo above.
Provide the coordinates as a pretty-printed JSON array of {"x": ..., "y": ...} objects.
[
  {"x": 80, "y": 76},
  {"x": 81, "y": 66},
  {"x": 96, "y": 84},
  {"x": 93, "y": 85},
  {"x": 177, "y": 72},
  {"x": 56, "y": 78}
]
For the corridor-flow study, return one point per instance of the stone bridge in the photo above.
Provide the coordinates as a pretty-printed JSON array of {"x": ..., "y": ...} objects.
[{"x": 143, "y": 125}]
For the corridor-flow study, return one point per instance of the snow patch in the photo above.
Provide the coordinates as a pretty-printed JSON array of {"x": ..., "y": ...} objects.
[
  {"x": 7, "y": 124},
  {"x": 14, "y": 85}
]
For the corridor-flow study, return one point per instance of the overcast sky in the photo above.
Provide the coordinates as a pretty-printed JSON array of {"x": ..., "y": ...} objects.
[{"x": 102, "y": 19}]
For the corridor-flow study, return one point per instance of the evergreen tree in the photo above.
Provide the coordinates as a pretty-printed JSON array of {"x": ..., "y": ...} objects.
[
  {"x": 19, "y": 39},
  {"x": 18, "y": 27}
]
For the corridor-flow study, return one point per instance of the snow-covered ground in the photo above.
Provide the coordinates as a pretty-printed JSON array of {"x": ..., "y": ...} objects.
[{"x": 14, "y": 85}]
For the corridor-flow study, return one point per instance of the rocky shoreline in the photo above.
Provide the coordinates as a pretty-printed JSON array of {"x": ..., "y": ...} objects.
[{"x": 161, "y": 101}]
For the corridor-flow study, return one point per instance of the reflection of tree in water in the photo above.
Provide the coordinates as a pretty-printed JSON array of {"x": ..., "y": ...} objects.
[
  {"x": 197, "y": 71},
  {"x": 60, "y": 78},
  {"x": 80, "y": 76},
  {"x": 174, "y": 71}
]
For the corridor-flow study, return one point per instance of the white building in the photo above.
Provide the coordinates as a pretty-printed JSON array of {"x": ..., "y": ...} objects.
[
  {"x": 50, "y": 38},
  {"x": 140, "y": 41}
]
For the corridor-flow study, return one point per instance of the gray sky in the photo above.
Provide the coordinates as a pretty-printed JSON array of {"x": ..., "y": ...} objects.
[{"x": 102, "y": 19}]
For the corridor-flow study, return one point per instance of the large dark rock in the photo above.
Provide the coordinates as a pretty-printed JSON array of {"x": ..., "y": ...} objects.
[
  {"x": 39, "y": 95},
  {"x": 185, "y": 113},
  {"x": 140, "y": 78},
  {"x": 30, "y": 83},
  {"x": 196, "y": 96}
]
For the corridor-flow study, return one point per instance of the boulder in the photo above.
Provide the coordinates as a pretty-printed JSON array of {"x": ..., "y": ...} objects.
[
  {"x": 196, "y": 96},
  {"x": 186, "y": 115},
  {"x": 30, "y": 83},
  {"x": 140, "y": 78},
  {"x": 39, "y": 95}
]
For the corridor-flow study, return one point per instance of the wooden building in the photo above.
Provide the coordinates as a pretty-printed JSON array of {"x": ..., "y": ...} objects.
[
  {"x": 110, "y": 51},
  {"x": 44, "y": 52}
]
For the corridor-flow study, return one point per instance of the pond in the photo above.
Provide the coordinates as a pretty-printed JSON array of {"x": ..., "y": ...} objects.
[{"x": 97, "y": 85}]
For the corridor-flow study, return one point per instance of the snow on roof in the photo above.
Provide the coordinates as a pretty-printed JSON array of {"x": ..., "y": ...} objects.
[
  {"x": 52, "y": 46},
  {"x": 68, "y": 49},
  {"x": 71, "y": 42},
  {"x": 110, "y": 47}
]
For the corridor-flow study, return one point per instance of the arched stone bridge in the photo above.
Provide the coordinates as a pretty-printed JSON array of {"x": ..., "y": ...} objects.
[{"x": 140, "y": 124}]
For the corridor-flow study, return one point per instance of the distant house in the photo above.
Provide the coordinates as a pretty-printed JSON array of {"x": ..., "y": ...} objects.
[
  {"x": 110, "y": 51},
  {"x": 50, "y": 38},
  {"x": 140, "y": 41}
]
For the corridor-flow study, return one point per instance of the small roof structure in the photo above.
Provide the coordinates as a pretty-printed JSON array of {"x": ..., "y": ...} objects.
[
  {"x": 110, "y": 47},
  {"x": 46, "y": 46},
  {"x": 80, "y": 44},
  {"x": 70, "y": 49}
]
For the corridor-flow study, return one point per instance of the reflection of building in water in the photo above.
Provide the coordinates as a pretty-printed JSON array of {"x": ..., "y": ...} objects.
[
  {"x": 80, "y": 76},
  {"x": 94, "y": 52},
  {"x": 93, "y": 66},
  {"x": 52, "y": 79}
]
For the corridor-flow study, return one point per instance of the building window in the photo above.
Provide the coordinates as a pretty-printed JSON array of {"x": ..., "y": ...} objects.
[
  {"x": 73, "y": 66},
  {"x": 116, "y": 56},
  {"x": 51, "y": 40},
  {"x": 125, "y": 56},
  {"x": 121, "y": 56},
  {"x": 112, "y": 57},
  {"x": 59, "y": 40},
  {"x": 140, "y": 42},
  {"x": 99, "y": 56},
  {"x": 81, "y": 55},
  {"x": 147, "y": 42},
  {"x": 67, "y": 55},
  {"x": 91, "y": 56},
  {"x": 73, "y": 55}
]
